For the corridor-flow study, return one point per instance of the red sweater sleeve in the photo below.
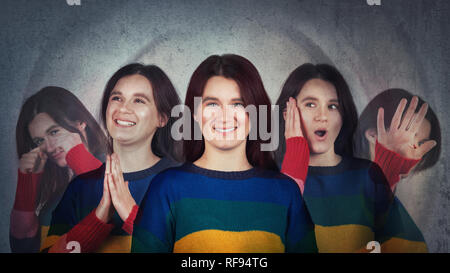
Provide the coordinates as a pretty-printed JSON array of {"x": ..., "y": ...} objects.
[
  {"x": 26, "y": 192},
  {"x": 128, "y": 224},
  {"x": 296, "y": 160},
  {"x": 89, "y": 234},
  {"x": 392, "y": 164},
  {"x": 81, "y": 161}
]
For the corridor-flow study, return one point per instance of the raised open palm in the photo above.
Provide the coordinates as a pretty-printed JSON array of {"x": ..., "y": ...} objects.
[
  {"x": 292, "y": 120},
  {"x": 400, "y": 137}
]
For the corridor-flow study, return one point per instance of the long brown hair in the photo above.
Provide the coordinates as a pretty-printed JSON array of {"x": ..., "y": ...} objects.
[
  {"x": 65, "y": 109},
  {"x": 165, "y": 97},
  {"x": 294, "y": 84},
  {"x": 251, "y": 87}
]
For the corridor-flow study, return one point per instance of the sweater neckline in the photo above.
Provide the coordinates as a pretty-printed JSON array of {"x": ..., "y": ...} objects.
[
  {"x": 330, "y": 170},
  {"x": 156, "y": 168},
  {"x": 229, "y": 175}
]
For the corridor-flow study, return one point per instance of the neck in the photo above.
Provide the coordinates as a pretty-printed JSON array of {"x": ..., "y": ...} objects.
[
  {"x": 224, "y": 160},
  {"x": 135, "y": 157},
  {"x": 372, "y": 151},
  {"x": 326, "y": 159},
  {"x": 71, "y": 174}
]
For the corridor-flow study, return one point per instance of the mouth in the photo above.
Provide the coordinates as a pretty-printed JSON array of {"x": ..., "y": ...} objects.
[
  {"x": 58, "y": 155},
  {"x": 124, "y": 123},
  {"x": 321, "y": 134},
  {"x": 225, "y": 130}
]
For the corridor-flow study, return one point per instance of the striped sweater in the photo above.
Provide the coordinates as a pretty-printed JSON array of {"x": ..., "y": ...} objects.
[
  {"x": 28, "y": 225},
  {"x": 352, "y": 204},
  {"x": 75, "y": 217},
  {"x": 192, "y": 209}
]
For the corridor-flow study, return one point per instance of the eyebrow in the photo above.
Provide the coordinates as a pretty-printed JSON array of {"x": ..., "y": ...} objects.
[
  {"x": 216, "y": 99},
  {"x": 115, "y": 93},
  {"x": 209, "y": 98},
  {"x": 315, "y": 99},
  {"x": 134, "y": 95}
]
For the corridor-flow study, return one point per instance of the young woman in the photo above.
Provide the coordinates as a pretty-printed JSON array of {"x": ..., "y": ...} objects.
[
  {"x": 56, "y": 138},
  {"x": 349, "y": 199},
  {"x": 391, "y": 121},
  {"x": 97, "y": 211},
  {"x": 227, "y": 197}
]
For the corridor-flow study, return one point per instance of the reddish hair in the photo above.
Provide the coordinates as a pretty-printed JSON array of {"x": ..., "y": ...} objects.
[{"x": 252, "y": 91}]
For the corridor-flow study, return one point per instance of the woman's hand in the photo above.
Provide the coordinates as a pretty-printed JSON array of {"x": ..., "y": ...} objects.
[
  {"x": 292, "y": 120},
  {"x": 120, "y": 193},
  {"x": 400, "y": 136},
  {"x": 105, "y": 209},
  {"x": 33, "y": 161}
]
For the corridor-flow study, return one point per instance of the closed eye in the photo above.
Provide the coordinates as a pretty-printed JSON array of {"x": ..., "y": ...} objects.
[{"x": 38, "y": 141}]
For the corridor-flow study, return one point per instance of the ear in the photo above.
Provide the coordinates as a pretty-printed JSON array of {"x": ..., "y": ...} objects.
[
  {"x": 81, "y": 126},
  {"x": 196, "y": 117},
  {"x": 371, "y": 135},
  {"x": 163, "y": 119}
]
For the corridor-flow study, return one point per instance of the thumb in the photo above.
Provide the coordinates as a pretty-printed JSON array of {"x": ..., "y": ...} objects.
[
  {"x": 40, "y": 162},
  {"x": 426, "y": 147}
]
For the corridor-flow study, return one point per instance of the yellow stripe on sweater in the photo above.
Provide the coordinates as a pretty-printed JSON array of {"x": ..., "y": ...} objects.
[
  {"x": 49, "y": 241},
  {"x": 342, "y": 239},
  {"x": 219, "y": 241},
  {"x": 398, "y": 245},
  {"x": 113, "y": 244},
  {"x": 116, "y": 244},
  {"x": 44, "y": 233}
]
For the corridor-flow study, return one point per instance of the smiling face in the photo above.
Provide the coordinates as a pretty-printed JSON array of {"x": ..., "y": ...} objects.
[
  {"x": 223, "y": 120},
  {"x": 131, "y": 115},
  {"x": 48, "y": 136},
  {"x": 319, "y": 107}
]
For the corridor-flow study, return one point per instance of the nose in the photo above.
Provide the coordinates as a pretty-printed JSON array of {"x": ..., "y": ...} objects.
[
  {"x": 321, "y": 114},
  {"x": 50, "y": 145},
  {"x": 125, "y": 107},
  {"x": 227, "y": 115}
]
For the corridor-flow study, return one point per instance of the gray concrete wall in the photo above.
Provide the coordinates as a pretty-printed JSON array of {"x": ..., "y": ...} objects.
[{"x": 402, "y": 43}]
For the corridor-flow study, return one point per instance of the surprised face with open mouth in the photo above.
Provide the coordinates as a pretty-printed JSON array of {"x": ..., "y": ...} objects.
[
  {"x": 319, "y": 107},
  {"x": 131, "y": 116}
]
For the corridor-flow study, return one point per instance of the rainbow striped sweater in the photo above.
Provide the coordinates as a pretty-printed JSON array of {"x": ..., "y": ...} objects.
[
  {"x": 351, "y": 204},
  {"x": 192, "y": 209},
  {"x": 75, "y": 210}
]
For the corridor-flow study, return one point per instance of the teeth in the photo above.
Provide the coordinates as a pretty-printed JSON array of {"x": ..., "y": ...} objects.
[
  {"x": 125, "y": 123},
  {"x": 224, "y": 130}
]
